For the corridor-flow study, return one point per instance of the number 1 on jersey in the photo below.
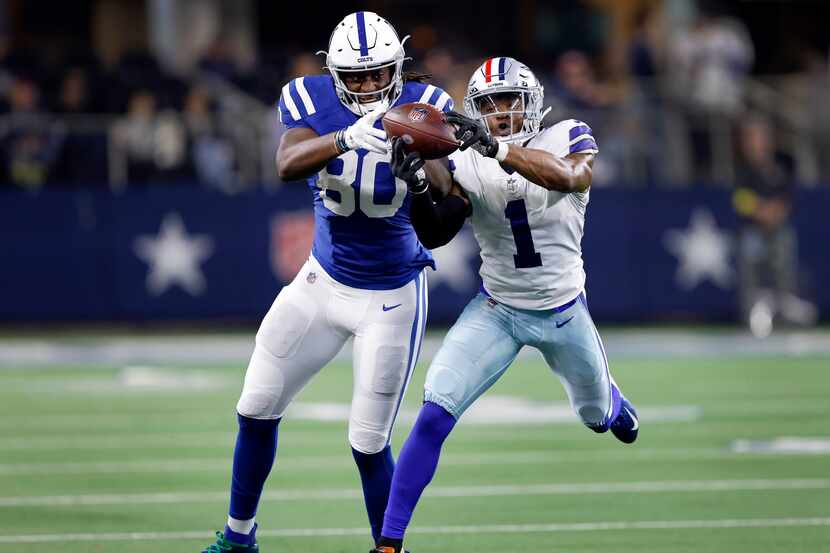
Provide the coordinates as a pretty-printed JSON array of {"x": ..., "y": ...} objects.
[{"x": 526, "y": 255}]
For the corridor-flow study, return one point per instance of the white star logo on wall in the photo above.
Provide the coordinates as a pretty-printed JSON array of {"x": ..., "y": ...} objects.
[
  {"x": 453, "y": 262},
  {"x": 174, "y": 257},
  {"x": 702, "y": 252}
]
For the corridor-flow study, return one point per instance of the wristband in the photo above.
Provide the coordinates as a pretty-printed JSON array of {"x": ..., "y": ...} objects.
[
  {"x": 501, "y": 153},
  {"x": 419, "y": 191},
  {"x": 423, "y": 183},
  {"x": 340, "y": 141}
]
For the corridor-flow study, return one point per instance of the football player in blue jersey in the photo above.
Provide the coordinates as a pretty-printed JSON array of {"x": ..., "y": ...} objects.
[{"x": 365, "y": 277}]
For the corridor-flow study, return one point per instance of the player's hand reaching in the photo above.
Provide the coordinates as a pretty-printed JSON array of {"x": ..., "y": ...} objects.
[
  {"x": 363, "y": 133},
  {"x": 473, "y": 134},
  {"x": 408, "y": 167}
]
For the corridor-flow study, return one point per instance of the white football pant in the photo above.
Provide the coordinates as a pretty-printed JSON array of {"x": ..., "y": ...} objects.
[{"x": 306, "y": 327}]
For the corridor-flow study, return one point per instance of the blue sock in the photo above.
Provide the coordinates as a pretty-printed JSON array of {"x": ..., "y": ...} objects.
[
  {"x": 416, "y": 467},
  {"x": 256, "y": 447},
  {"x": 376, "y": 476}
]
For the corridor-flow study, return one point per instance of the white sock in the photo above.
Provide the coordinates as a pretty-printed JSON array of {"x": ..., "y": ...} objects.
[{"x": 241, "y": 526}]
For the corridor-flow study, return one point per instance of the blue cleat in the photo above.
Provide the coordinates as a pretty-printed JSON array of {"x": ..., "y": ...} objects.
[
  {"x": 623, "y": 421},
  {"x": 627, "y": 424}
]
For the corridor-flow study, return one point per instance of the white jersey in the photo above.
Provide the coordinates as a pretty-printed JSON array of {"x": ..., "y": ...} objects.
[{"x": 530, "y": 237}]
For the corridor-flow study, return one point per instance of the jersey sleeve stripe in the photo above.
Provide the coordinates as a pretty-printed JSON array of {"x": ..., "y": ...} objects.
[
  {"x": 581, "y": 137},
  {"x": 584, "y": 145},
  {"x": 309, "y": 105},
  {"x": 577, "y": 130},
  {"x": 434, "y": 96},
  {"x": 442, "y": 101},
  {"x": 424, "y": 99},
  {"x": 289, "y": 103},
  {"x": 295, "y": 97}
]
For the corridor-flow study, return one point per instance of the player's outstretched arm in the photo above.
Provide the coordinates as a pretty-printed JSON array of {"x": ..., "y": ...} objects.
[
  {"x": 302, "y": 152},
  {"x": 572, "y": 173},
  {"x": 435, "y": 224}
]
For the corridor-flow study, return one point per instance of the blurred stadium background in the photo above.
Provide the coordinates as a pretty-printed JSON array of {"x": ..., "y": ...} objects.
[{"x": 144, "y": 232}]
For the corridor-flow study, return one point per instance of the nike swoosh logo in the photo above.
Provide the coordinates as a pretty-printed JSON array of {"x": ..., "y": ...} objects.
[
  {"x": 391, "y": 307},
  {"x": 563, "y": 323},
  {"x": 634, "y": 418}
]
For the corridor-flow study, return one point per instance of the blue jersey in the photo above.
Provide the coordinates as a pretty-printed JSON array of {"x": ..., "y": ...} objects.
[{"x": 362, "y": 232}]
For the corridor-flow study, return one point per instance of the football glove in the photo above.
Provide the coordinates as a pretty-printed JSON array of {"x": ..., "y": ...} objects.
[
  {"x": 408, "y": 167},
  {"x": 473, "y": 134},
  {"x": 363, "y": 134}
]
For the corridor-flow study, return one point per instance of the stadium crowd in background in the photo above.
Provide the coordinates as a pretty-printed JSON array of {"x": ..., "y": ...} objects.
[{"x": 665, "y": 96}]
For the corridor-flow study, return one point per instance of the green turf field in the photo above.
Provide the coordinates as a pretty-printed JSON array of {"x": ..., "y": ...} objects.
[{"x": 103, "y": 459}]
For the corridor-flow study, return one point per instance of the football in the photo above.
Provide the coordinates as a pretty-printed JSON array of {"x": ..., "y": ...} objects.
[{"x": 423, "y": 128}]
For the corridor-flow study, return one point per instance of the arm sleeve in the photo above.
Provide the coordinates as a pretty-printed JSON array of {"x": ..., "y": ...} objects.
[{"x": 436, "y": 224}]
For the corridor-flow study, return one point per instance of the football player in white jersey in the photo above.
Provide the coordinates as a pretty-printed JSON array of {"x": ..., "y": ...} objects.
[{"x": 526, "y": 191}]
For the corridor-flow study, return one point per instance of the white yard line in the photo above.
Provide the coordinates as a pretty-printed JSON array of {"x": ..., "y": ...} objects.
[
  {"x": 535, "y": 413},
  {"x": 213, "y": 349},
  {"x": 308, "y": 463},
  {"x": 669, "y": 486},
  {"x": 427, "y": 530}
]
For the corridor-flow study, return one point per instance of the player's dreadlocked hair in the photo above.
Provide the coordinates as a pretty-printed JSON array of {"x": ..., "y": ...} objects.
[{"x": 416, "y": 77}]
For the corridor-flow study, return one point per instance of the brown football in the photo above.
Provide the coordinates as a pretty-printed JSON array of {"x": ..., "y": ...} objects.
[{"x": 423, "y": 128}]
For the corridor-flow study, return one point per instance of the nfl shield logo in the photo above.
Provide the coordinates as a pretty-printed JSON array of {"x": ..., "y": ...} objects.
[
  {"x": 291, "y": 237},
  {"x": 418, "y": 114},
  {"x": 311, "y": 278}
]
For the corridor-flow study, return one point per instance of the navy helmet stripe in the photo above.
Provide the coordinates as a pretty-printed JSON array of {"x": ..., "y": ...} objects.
[
  {"x": 361, "y": 34},
  {"x": 501, "y": 68}
]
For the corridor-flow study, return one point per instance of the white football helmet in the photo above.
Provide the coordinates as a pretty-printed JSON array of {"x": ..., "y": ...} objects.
[
  {"x": 364, "y": 41},
  {"x": 507, "y": 75}
]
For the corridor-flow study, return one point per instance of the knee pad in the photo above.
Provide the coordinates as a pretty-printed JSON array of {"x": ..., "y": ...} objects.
[
  {"x": 261, "y": 400},
  {"x": 366, "y": 440},
  {"x": 264, "y": 388},
  {"x": 447, "y": 384},
  {"x": 258, "y": 404}
]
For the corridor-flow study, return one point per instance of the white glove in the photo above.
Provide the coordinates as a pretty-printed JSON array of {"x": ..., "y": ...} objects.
[{"x": 363, "y": 134}]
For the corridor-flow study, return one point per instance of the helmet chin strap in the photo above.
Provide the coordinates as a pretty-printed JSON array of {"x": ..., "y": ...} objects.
[{"x": 369, "y": 106}]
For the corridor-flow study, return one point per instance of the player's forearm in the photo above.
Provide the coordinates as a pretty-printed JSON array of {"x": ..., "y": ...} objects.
[
  {"x": 439, "y": 177},
  {"x": 306, "y": 157},
  {"x": 550, "y": 172},
  {"x": 434, "y": 224}
]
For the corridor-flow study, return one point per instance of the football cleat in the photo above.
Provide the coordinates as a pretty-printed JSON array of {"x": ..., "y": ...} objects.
[
  {"x": 627, "y": 424},
  {"x": 224, "y": 545},
  {"x": 387, "y": 549}
]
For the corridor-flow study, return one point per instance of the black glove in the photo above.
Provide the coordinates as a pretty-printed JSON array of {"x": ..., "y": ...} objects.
[
  {"x": 473, "y": 133},
  {"x": 407, "y": 167}
]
